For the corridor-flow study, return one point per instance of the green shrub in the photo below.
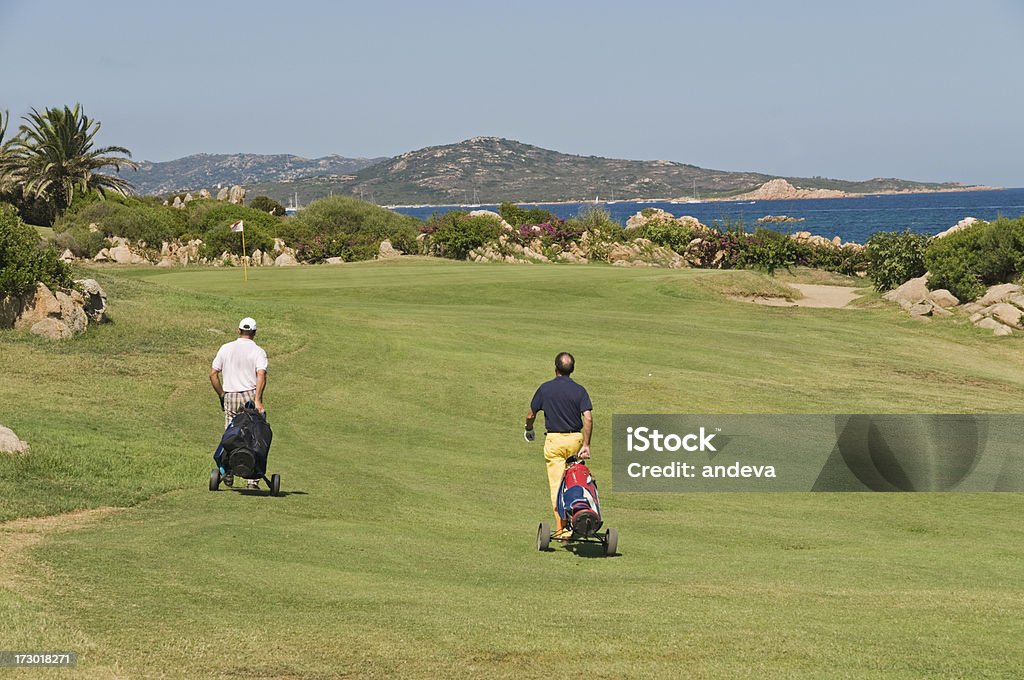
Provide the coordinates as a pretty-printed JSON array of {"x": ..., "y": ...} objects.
[
  {"x": 344, "y": 226},
  {"x": 846, "y": 259},
  {"x": 210, "y": 220},
  {"x": 517, "y": 215},
  {"x": 137, "y": 219},
  {"x": 23, "y": 260},
  {"x": 768, "y": 250},
  {"x": 455, "y": 233},
  {"x": 895, "y": 257},
  {"x": 983, "y": 254},
  {"x": 267, "y": 205},
  {"x": 81, "y": 241},
  {"x": 671, "y": 235}
]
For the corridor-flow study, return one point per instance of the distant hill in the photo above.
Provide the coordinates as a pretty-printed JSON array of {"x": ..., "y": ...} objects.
[
  {"x": 207, "y": 171},
  {"x": 488, "y": 170}
]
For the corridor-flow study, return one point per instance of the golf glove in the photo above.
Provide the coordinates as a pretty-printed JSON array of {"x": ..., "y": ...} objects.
[{"x": 529, "y": 435}]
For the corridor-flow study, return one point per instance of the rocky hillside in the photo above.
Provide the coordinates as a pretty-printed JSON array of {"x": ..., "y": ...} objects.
[
  {"x": 491, "y": 169},
  {"x": 205, "y": 171}
]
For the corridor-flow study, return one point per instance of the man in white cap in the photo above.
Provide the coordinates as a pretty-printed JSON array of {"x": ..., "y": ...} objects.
[{"x": 239, "y": 374}]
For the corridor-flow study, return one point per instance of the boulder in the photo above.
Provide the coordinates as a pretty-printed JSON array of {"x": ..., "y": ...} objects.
[
  {"x": 67, "y": 255},
  {"x": 93, "y": 228},
  {"x": 388, "y": 251},
  {"x": 1005, "y": 313},
  {"x": 531, "y": 254},
  {"x": 223, "y": 193},
  {"x": 569, "y": 256},
  {"x": 188, "y": 198},
  {"x": 285, "y": 260},
  {"x": 257, "y": 258},
  {"x": 10, "y": 308},
  {"x": 178, "y": 203},
  {"x": 10, "y": 443},
  {"x": 166, "y": 262},
  {"x": 910, "y": 293},
  {"x": 268, "y": 260},
  {"x": 490, "y": 213},
  {"x": 37, "y": 306},
  {"x": 120, "y": 255},
  {"x": 204, "y": 193},
  {"x": 51, "y": 329},
  {"x": 71, "y": 311},
  {"x": 970, "y": 307},
  {"x": 95, "y": 300},
  {"x": 920, "y": 309},
  {"x": 236, "y": 195},
  {"x": 278, "y": 245},
  {"x": 965, "y": 222},
  {"x": 943, "y": 298},
  {"x": 334, "y": 260},
  {"x": 991, "y": 324},
  {"x": 101, "y": 256},
  {"x": 999, "y": 293}
]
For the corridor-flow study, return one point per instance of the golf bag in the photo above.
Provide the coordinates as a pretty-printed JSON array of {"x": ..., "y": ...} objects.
[
  {"x": 245, "y": 444},
  {"x": 578, "y": 505}
]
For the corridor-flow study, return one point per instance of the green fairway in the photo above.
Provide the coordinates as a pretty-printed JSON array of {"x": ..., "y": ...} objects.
[{"x": 404, "y": 543}]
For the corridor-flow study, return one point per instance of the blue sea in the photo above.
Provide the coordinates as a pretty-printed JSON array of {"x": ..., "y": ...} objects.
[{"x": 851, "y": 219}]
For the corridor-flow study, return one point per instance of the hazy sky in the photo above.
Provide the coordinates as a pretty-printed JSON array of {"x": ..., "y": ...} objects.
[{"x": 850, "y": 89}]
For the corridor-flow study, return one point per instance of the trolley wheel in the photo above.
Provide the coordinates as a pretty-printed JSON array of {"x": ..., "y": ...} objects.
[
  {"x": 214, "y": 479},
  {"x": 611, "y": 542},
  {"x": 543, "y": 536},
  {"x": 275, "y": 485}
]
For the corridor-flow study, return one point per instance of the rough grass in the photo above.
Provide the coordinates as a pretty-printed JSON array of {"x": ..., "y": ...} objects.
[{"x": 405, "y": 545}]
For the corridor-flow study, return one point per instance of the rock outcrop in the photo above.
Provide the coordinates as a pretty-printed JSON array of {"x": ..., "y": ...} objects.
[
  {"x": 658, "y": 215},
  {"x": 780, "y": 190},
  {"x": 387, "y": 251},
  {"x": 236, "y": 195},
  {"x": 998, "y": 310},
  {"x": 55, "y": 315},
  {"x": 10, "y": 443},
  {"x": 962, "y": 224},
  {"x": 779, "y": 219}
]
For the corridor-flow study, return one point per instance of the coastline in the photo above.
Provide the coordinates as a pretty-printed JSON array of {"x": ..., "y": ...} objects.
[{"x": 717, "y": 199}]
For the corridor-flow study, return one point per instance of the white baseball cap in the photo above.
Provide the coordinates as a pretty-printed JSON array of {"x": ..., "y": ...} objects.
[{"x": 247, "y": 324}]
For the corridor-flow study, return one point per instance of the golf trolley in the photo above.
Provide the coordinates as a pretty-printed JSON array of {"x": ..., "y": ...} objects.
[
  {"x": 580, "y": 511},
  {"x": 216, "y": 476},
  {"x": 243, "y": 450}
]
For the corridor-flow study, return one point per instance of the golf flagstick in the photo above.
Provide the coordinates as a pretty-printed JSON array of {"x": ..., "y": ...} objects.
[{"x": 240, "y": 226}]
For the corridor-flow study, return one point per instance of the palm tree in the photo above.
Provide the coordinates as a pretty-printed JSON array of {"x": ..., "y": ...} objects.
[
  {"x": 52, "y": 156},
  {"x": 5, "y": 176}
]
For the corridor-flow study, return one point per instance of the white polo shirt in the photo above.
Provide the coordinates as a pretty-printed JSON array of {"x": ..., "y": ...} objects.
[{"x": 238, "y": 362}]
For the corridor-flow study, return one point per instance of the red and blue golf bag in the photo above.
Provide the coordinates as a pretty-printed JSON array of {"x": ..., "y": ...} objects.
[{"x": 578, "y": 505}]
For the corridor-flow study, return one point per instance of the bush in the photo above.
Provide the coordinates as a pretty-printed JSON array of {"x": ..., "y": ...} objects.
[
  {"x": 344, "y": 226},
  {"x": 23, "y": 260},
  {"x": 210, "y": 220},
  {"x": 137, "y": 219},
  {"x": 847, "y": 259},
  {"x": 81, "y": 241},
  {"x": 516, "y": 215},
  {"x": 268, "y": 205},
  {"x": 983, "y": 254},
  {"x": 455, "y": 233},
  {"x": 671, "y": 235},
  {"x": 767, "y": 249},
  {"x": 895, "y": 257}
]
